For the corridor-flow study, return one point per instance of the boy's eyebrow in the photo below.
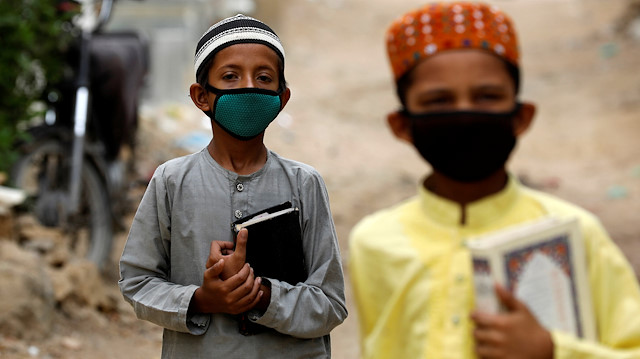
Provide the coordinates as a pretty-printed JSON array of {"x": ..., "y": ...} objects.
[
  {"x": 236, "y": 67},
  {"x": 491, "y": 87},
  {"x": 229, "y": 67},
  {"x": 438, "y": 91},
  {"x": 435, "y": 92},
  {"x": 267, "y": 67}
]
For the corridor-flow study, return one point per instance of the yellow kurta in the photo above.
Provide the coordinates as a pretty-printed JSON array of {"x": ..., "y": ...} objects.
[{"x": 412, "y": 277}]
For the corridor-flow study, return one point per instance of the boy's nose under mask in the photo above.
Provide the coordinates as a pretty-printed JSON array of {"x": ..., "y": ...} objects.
[
  {"x": 466, "y": 146},
  {"x": 244, "y": 112}
]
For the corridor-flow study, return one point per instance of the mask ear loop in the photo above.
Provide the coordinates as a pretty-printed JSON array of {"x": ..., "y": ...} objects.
[{"x": 212, "y": 89}]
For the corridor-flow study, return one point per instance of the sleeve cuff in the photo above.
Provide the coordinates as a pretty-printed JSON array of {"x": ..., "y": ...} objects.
[{"x": 195, "y": 323}]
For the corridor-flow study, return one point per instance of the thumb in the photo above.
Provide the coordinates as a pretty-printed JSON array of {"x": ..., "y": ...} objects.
[
  {"x": 507, "y": 298},
  {"x": 241, "y": 244}
]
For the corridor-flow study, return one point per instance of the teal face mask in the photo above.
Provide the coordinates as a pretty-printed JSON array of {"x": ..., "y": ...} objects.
[{"x": 244, "y": 112}]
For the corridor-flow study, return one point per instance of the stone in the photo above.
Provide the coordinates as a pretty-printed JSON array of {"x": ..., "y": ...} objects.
[
  {"x": 80, "y": 283},
  {"x": 27, "y": 304}
]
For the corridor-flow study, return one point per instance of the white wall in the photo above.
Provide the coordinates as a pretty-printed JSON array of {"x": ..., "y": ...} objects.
[{"x": 172, "y": 29}]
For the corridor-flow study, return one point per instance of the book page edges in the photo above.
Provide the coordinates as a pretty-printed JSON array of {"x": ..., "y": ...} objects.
[{"x": 262, "y": 217}]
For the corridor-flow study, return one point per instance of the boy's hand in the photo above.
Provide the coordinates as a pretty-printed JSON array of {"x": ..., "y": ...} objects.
[
  {"x": 234, "y": 258},
  {"x": 515, "y": 334},
  {"x": 238, "y": 294}
]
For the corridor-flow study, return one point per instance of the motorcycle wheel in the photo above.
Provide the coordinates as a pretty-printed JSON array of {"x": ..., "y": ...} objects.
[{"x": 43, "y": 173}]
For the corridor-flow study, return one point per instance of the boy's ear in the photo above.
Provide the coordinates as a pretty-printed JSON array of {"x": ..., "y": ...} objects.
[
  {"x": 284, "y": 98},
  {"x": 199, "y": 97},
  {"x": 524, "y": 118},
  {"x": 400, "y": 126}
]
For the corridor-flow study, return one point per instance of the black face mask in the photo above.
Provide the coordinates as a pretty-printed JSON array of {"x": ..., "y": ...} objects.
[{"x": 466, "y": 146}]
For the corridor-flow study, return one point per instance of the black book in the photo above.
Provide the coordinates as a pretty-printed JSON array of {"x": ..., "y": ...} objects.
[
  {"x": 274, "y": 249},
  {"x": 274, "y": 246}
]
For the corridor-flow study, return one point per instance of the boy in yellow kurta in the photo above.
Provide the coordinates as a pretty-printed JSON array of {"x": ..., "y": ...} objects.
[{"x": 457, "y": 76}]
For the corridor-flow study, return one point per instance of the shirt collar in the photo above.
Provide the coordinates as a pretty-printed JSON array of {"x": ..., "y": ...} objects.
[
  {"x": 232, "y": 175},
  {"x": 479, "y": 213}
]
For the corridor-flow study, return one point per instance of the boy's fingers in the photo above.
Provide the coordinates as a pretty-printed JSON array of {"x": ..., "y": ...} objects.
[
  {"x": 241, "y": 244},
  {"x": 488, "y": 336},
  {"x": 216, "y": 251},
  {"x": 215, "y": 269},
  {"x": 482, "y": 320},
  {"x": 218, "y": 247},
  {"x": 214, "y": 254},
  {"x": 253, "y": 297},
  {"x": 243, "y": 289},
  {"x": 256, "y": 300},
  {"x": 239, "y": 278},
  {"x": 507, "y": 298}
]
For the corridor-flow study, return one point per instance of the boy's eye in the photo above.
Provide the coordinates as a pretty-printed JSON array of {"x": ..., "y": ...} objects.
[
  {"x": 435, "y": 101},
  {"x": 489, "y": 96},
  {"x": 265, "y": 78},
  {"x": 229, "y": 76}
]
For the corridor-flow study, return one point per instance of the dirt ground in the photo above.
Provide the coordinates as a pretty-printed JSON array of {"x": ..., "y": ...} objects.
[{"x": 583, "y": 146}]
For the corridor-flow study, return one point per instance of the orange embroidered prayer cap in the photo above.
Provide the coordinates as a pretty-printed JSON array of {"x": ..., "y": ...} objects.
[{"x": 444, "y": 26}]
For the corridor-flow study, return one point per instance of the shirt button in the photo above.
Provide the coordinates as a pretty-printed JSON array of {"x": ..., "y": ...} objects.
[
  {"x": 238, "y": 213},
  {"x": 455, "y": 320},
  {"x": 239, "y": 187},
  {"x": 459, "y": 278}
]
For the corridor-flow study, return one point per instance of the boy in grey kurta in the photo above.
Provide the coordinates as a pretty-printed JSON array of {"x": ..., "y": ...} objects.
[{"x": 177, "y": 270}]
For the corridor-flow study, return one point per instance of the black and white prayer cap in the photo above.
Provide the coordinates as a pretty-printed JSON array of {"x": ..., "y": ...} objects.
[{"x": 235, "y": 30}]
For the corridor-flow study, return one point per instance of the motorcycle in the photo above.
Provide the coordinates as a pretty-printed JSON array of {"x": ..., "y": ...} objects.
[{"x": 73, "y": 167}]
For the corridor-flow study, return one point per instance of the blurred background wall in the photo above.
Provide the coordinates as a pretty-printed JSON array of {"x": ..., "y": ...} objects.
[{"x": 172, "y": 29}]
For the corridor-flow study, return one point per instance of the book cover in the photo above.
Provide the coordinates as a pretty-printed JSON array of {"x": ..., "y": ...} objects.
[
  {"x": 543, "y": 263},
  {"x": 274, "y": 245}
]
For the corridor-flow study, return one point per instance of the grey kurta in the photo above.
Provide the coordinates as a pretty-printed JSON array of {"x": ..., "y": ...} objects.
[{"x": 192, "y": 201}]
